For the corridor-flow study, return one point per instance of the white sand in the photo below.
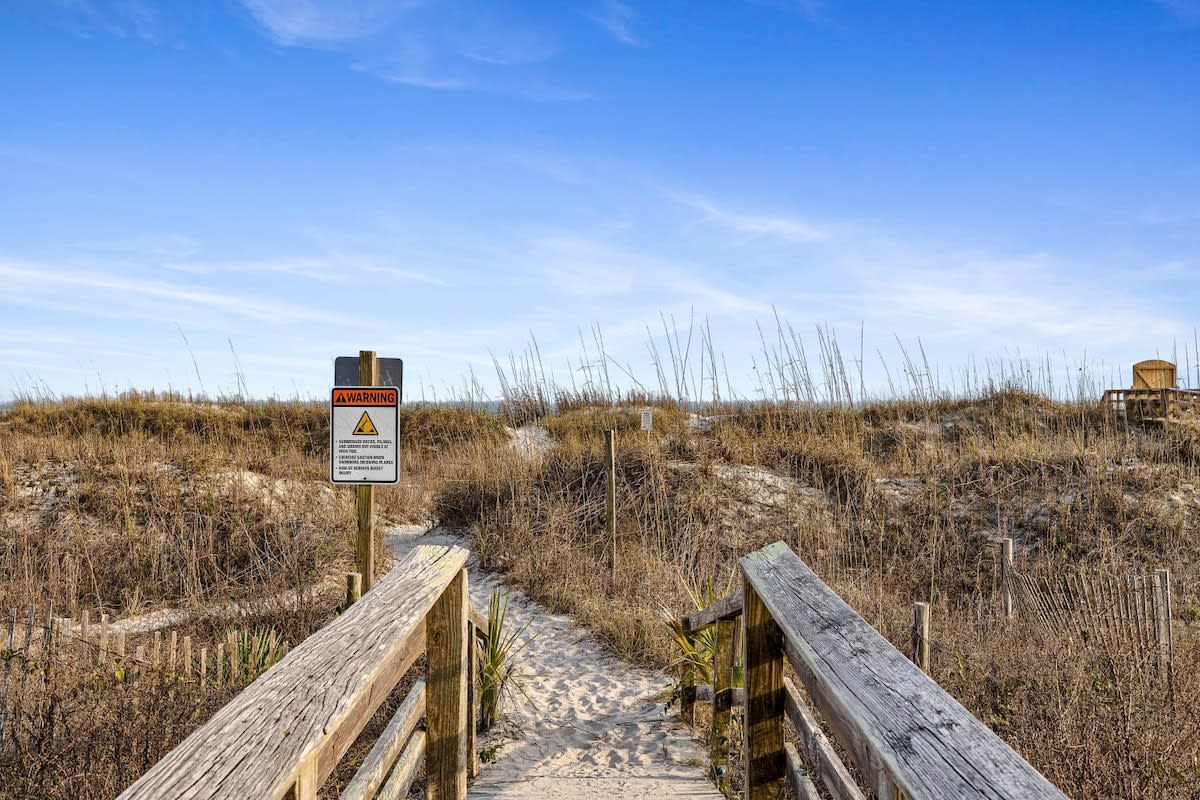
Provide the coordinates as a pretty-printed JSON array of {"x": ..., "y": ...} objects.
[{"x": 584, "y": 724}]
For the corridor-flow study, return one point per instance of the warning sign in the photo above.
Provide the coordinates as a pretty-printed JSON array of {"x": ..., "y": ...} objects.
[
  {"x": 364, "y": 434},
  {"x": 365, "y": 427}
]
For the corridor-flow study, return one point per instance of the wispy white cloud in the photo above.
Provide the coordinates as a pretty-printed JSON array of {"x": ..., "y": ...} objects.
[
  {"x": 51, "y": 282},
  {"x": 755, "y": 225},
  {"x": 123, "y": 18},
  {"x": 310, "y": 268},
  {"x": 617, "y": 18},
  {"x": 291, "y": 22},
  {"x": 458, "y": 45}
]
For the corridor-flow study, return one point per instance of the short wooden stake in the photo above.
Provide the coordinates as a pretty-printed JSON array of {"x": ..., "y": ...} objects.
[
  {"x": 84, "y": 627},
  {"x": 1162, "y": 625},
  {"x": 218, "y": 663},
  {"x": 920, "y": 635},
  {"x": 1006, "y": 577},
  {"x": 121, "y": 644},
  {"x": 203, "y": 664},
  {"x": 103, "y": 648},
  {"x": 235, "y": 672},
  {"x": 446, "y": 693},
  {"x": 187, "y": 656},
  {"x": 766, "y": 764},
  {"x": 171, "y": 652},
  {"x": 610, "y": 497},
  {"x": 353, "y": 588},
  {"x": 156, "y": 650}
]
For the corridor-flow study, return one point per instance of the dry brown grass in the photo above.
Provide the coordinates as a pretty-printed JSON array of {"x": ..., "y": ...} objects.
[
  {"x": 895, "y": 502},
  {"x": 890, "y": 504}
]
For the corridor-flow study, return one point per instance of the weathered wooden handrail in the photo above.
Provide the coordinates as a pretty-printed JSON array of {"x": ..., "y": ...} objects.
[
  {"x": 907, "y": 736},
  {"x": 728, "y": 607},
  {"x": 285, "y": 732}
]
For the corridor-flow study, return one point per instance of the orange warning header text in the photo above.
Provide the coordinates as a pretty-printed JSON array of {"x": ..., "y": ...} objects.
[{"x": 365, "y": 397}]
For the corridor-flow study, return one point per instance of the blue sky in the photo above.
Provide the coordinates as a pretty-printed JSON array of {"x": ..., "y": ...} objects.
[{"x": 439, "y": 180}]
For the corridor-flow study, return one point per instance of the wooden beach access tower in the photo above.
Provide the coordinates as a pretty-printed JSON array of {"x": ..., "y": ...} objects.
[
  {"x": 904, "y": 735},
  {"x": 1154, "y": 396}
]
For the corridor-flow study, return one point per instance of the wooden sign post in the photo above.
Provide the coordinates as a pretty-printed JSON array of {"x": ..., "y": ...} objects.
[{"x": 368, "y": 373}]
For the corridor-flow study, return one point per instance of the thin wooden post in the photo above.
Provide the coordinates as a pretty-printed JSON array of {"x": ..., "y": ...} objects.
[
  {"x": 103, "y": 648},
  {"x": 353, "y": 588},
  {"x": 368, "y": 375},
  {"x": 766, "y": 763},
  {"x": 1006, "y": 577},
  {"x": 8, "y": 663},
  {"x": 446, "y": 704},
  {"x": 1162, "y": 625},
  {"x": 687, "y": 694},
  {"x": 203, "y": 664},
  {"x": 187, "y": 656},
  {"x": 920, "y": 635},
  {"x": 156, "y": 650},
  {"x": 722, "y": 706},
  {"x": 171, "y": 651},
  {"x": 84, "y": 627},
  {"x": 472, "y": 701},
  {"x": 610, "y": 498},
  {"x": 235, "y": 672},
  {"x": 218, "y": 663},
  {"x": 121, "y": 644}
]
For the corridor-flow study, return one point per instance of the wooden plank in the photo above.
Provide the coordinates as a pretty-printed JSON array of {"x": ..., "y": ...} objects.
[
  {"x": 802, "y": 784},
  {"x": 766, "y": 767},
  {"x": 899, "y": 725},
  {"x": 480, "y": 622},
  {"x": 1006, "y": 577},
  {"x": 446, "y": 714},
  {"x": 725, "y": 608},
  {"x": 311, "y": 705},
  {"x": 818, "y": 750},
  {"x": 387, "y": 749},
  {"x": 722, "y": 711},
  {"x": 401, "y": 779}
]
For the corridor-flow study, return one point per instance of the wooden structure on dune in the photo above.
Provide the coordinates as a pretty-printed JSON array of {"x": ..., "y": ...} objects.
[{"x": 1154, "y": 396}]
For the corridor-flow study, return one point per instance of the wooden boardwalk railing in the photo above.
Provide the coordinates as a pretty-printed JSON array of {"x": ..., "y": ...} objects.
[
  {"x": 1150, "y": 403},
  {"x": 906, "y": 737},
  {"x": 284, "y": 734}
]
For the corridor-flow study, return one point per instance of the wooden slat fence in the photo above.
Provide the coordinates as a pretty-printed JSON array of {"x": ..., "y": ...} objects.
[{"x": 1130, "y": 616}]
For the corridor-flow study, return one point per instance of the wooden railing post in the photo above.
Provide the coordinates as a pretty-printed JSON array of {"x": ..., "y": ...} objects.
[
  {"x": 766, "y": 763},
  {"x": 722, "y": 707},
  {"x": 353, "y": 588},
  {"x": 446, "y": 710}
]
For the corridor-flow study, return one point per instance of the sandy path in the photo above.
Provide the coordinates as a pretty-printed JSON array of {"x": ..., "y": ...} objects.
[{"x": 586, "y": 725}]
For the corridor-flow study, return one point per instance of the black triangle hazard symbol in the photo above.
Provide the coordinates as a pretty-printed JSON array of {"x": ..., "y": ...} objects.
[{"x": 365, "y": 427}]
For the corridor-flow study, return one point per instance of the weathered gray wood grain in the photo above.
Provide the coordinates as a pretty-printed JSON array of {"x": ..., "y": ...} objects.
[
  {"x": 302, "y": 714},
  {"x": 903, "y": 730},
  {"x": 818, "y": 750},
  {"x": 374, "y": 769},
  {"x": 725, "y": 608}
]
